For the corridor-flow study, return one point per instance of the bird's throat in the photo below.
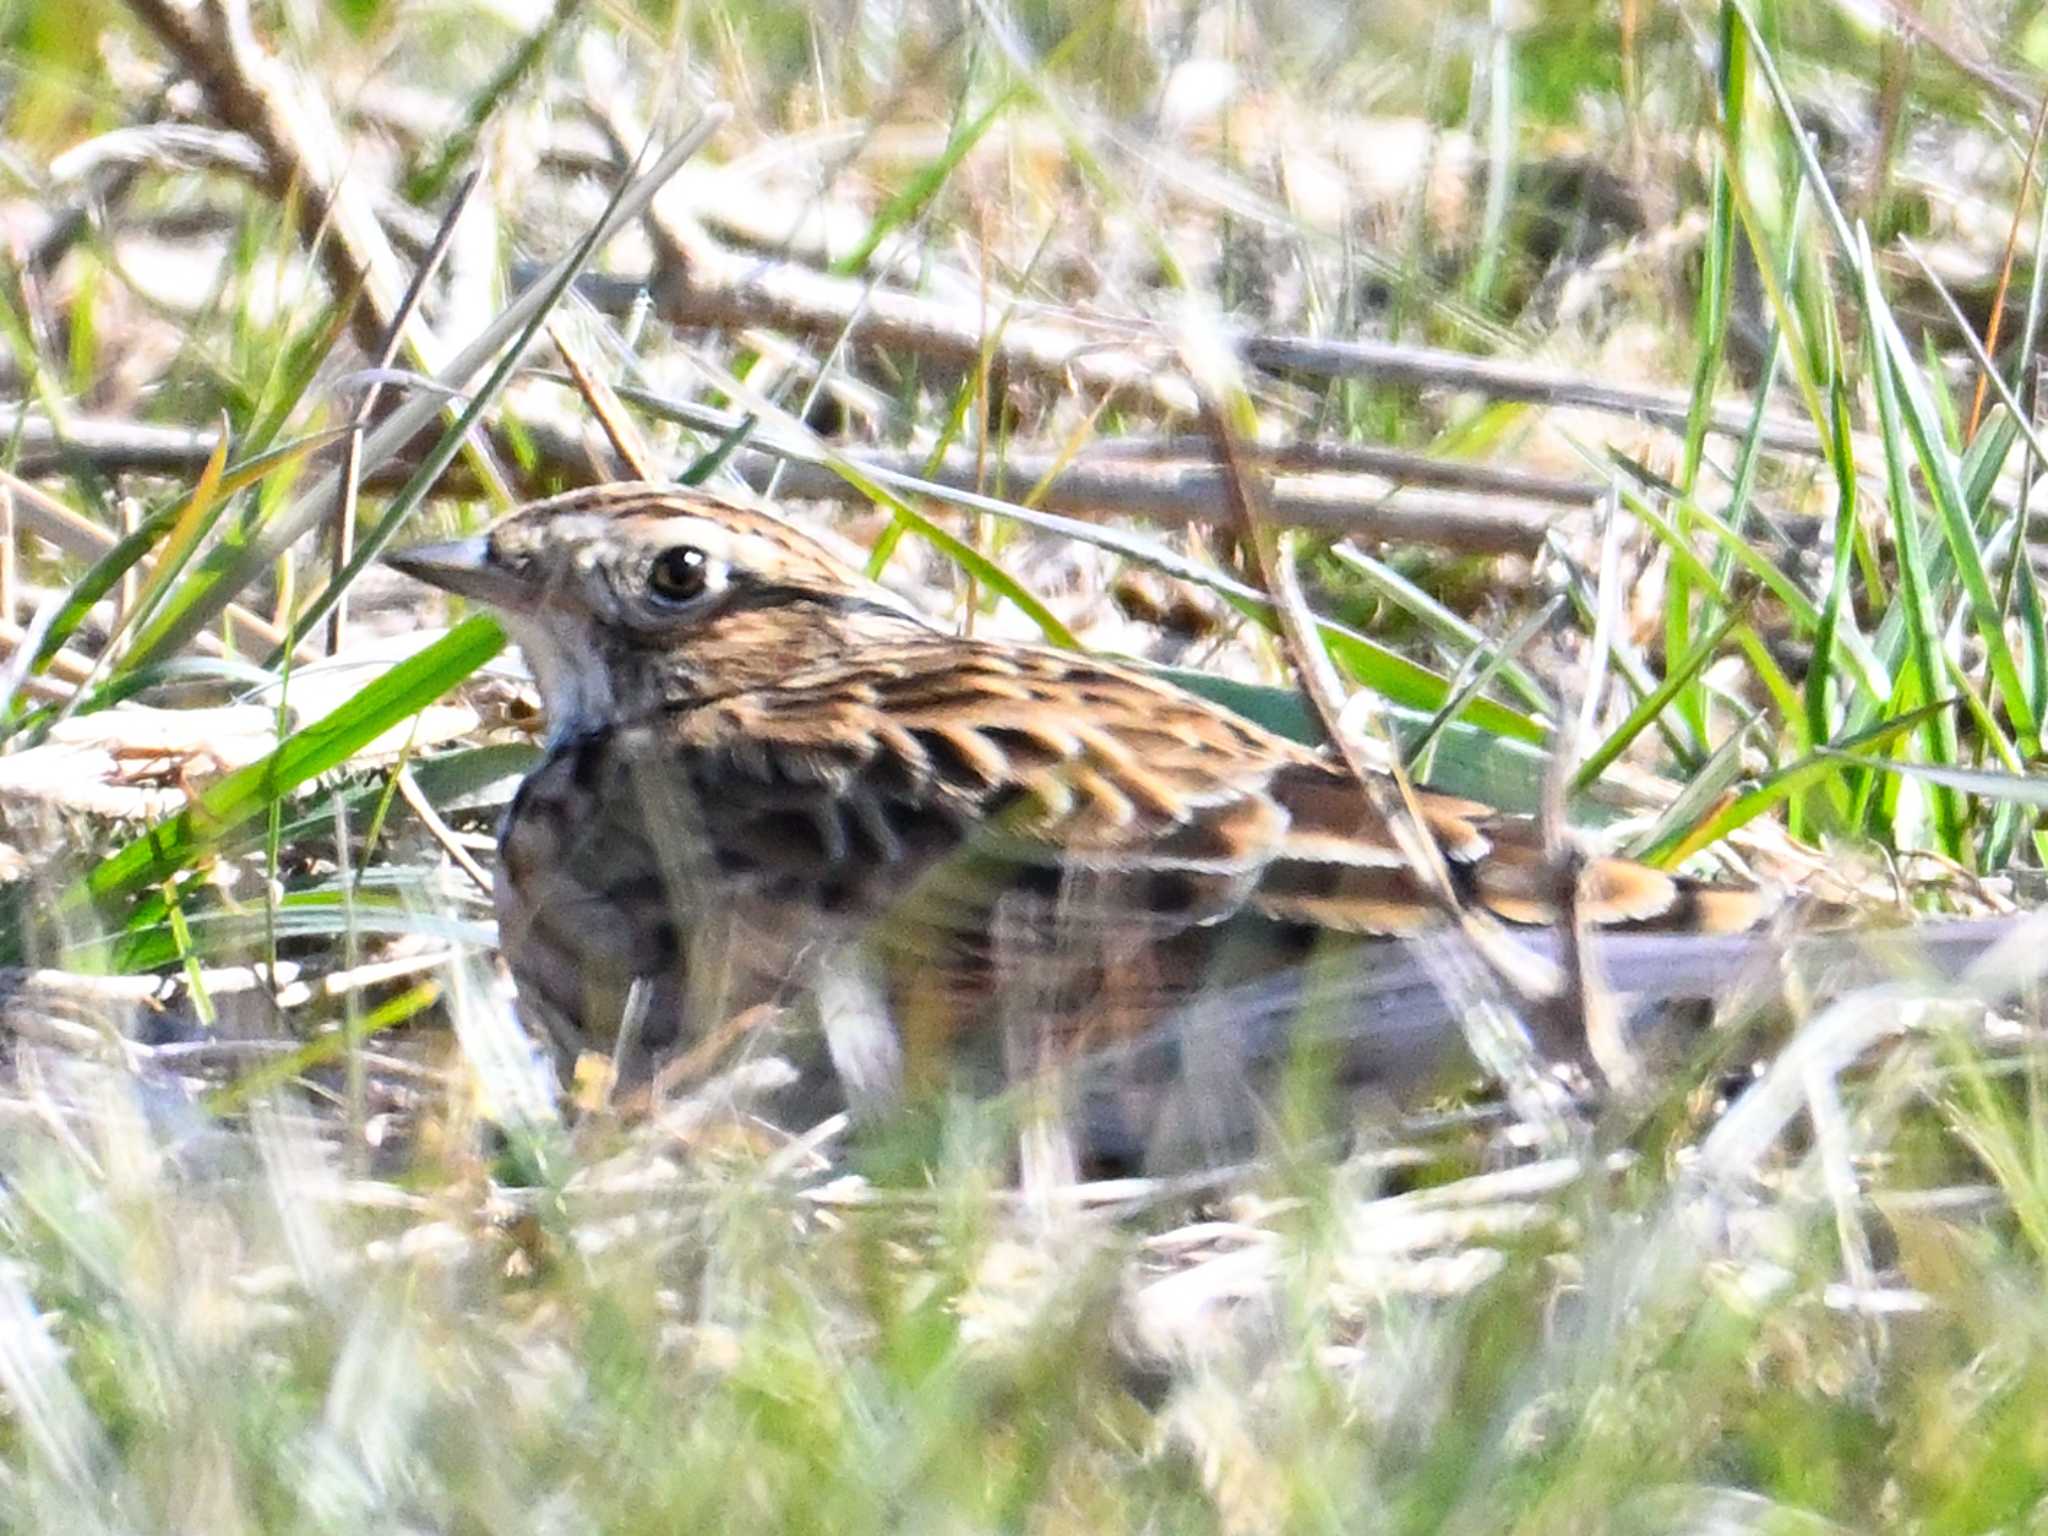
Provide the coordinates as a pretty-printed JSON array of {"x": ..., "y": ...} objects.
[{"x": 576, "y": 686}]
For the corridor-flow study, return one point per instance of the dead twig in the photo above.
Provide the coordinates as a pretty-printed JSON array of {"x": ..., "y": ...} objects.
[
  {"x": 605, "y": 406},
  {"x": 702, "y": 283},
  {"x": 1485, "y": 518},
  {"x": 1325, "y": 458},
  {"x": 1180, "y": 494},
  {"x": 305, "y": 156},
  {"x": 699, "y": 281},
  {"x": 440, "y": 831}
]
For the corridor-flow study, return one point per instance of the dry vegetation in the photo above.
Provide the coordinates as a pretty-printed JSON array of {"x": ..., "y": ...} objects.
[{"x": 1616, "y": 371}]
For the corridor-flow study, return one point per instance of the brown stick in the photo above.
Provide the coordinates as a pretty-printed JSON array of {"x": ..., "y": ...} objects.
[
  {"x": 41, "y": 514},
  {"x": 306, "y": 156},
  {"x": 700, "y": 282},
  {"x": 1179, "y": 494},
  {"x": 1491, "y": 520}
]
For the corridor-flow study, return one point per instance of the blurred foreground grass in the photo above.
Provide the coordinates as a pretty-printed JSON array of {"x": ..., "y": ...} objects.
[{"x": 219, "y": 1329}]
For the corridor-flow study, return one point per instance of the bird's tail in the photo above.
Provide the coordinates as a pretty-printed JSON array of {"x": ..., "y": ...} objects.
[{"x": 1394, "y": 1019}]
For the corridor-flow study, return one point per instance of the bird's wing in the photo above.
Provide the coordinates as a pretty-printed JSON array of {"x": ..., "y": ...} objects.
[{"x": 1033, "y": 768}]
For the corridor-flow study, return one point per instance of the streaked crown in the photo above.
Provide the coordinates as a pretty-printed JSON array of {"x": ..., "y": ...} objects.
[{"x": 632, "y": 597}]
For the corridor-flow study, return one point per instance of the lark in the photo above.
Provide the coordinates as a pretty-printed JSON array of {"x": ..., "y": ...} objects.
[{"x": 768, "y": 779}]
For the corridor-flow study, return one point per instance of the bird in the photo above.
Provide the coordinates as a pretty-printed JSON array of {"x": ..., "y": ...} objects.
[{"x": 767, "y": 777}]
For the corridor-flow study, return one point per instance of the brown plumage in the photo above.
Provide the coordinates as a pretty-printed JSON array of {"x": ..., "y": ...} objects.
[{"x": 762, "y": 765}]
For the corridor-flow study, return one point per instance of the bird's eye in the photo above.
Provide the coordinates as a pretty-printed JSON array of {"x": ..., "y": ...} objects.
[{"x": 679, "y": 574}]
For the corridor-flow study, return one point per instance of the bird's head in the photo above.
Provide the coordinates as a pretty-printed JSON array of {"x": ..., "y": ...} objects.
[{"x": 630, "y": 598}]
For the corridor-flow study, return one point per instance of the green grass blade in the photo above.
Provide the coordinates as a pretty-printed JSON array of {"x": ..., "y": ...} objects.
[
  {"x": 1923, "y": 639},
  {"x": 106, "y": 572},
  {"x": 1652, "y": 704},
  {"x": 1447, "y": 625},
  {"x": 173, "y": 846},
  {"x": 1777, "y": 787},
  {"x": 1984, "y": 783}
]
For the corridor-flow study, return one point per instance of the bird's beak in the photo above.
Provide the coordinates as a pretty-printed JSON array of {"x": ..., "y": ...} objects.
[{"x": 464, "y": 567}]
